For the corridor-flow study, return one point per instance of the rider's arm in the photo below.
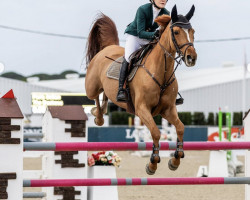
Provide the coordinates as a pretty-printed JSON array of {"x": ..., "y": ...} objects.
[{"x": 141, "y": 26}]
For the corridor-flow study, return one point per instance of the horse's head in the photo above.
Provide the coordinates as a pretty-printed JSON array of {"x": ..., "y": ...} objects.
[{"x": 181, "y": 33}]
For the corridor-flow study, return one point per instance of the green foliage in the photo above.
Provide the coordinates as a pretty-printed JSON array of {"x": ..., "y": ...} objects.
[
  {"x": 41, "y": 76},
  {"x": 63, "y": 74},
  {"x": 237, "y": 118},
  {"x": 44, "y": 77},
  {"x": 14, "y": 75},
  {"x": 158, "y": 119},
  {"x": 224, "y": 119},
  {"x": 210, "y": 119},
  {"x": 185, "y": 117},
  {"x": 199, "y": 118},
  {"x": 120, "y": 118}
]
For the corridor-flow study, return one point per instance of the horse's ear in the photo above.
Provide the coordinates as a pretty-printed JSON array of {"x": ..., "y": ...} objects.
[
  {"x": 174, "y": 14},
  {"x": 190, "y": 13},
  {"x": 163, "y": 20}
]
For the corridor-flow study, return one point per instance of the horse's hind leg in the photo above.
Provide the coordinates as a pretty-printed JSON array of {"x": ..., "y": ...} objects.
[
  {"x": 104, "y": 106},
  {"x": 97, "y": 112},
  {"x": 172, "y": 117}
]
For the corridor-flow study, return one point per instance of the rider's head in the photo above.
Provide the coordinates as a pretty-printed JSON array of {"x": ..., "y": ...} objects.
[{"x": 159, "y": 3}]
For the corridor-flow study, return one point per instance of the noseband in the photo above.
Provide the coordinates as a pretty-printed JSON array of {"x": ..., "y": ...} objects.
[{"x": 188, "y": 44}]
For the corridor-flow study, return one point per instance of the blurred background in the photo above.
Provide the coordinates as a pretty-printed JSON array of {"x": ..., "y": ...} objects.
[{"x": 42, "y": 50}]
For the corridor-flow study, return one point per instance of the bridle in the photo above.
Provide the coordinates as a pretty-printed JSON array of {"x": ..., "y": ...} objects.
[{"x": 177, "y": 47}]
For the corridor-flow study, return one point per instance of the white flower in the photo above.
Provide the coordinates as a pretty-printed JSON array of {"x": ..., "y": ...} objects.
[
  {"x": 109, "y": 157},
  {"x": 106, "y": 153}
]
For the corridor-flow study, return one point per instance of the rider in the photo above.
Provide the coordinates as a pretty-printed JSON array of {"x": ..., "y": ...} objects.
[{"x": 138, "y": 33}]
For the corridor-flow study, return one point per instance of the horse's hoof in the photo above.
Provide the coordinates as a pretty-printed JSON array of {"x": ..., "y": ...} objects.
[
  {"x": 149, "y": 172},
  {"x": 93, "y": 110},
  {"x": 171, "y": 166},
  {"x": 99, "y": 122}
]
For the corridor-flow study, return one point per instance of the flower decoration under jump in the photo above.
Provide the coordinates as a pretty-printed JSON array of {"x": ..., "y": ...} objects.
[{"x": 104, "y": 158}]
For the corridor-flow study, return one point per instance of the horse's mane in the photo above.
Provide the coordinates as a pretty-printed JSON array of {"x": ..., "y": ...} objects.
[
  {"x": 163, "y": 21},
  {"x": 103, "y": 33}
]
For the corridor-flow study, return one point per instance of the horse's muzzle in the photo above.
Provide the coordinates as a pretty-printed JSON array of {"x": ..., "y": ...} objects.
[{"x": 190, "y": 57}]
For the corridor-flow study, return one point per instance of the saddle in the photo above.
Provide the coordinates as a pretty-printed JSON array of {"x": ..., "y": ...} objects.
[
  {"x": 136, "y": 60},
  {"x": 137, "y": 57}
]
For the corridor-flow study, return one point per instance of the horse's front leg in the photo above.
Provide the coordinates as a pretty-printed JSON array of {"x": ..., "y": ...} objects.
[
  {"x": 171, "y": 116},
  {"x": 146, "y": 117}
]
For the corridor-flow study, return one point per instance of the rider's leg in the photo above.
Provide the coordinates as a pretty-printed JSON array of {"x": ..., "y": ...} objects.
[
  {"x": 131, "y": 46},
  {"x": 123, "y": 74}
]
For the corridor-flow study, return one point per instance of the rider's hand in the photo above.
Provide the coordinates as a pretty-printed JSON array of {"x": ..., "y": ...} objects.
[{"x": 157, "y": 34}]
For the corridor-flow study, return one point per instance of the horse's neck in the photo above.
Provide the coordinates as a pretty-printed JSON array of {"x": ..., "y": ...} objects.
[{"x": 157, "y": 60}]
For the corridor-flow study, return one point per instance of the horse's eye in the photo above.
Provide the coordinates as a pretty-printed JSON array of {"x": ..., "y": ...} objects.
[{"x": 176, "y": 32}]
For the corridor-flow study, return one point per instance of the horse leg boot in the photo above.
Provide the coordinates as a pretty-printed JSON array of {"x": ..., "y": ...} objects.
[
  {"x": 146, "y": 117},
  {"x": 121, "y": 96},
  {"x": 173, "y": 118},
  {"x": 97, "y": 112}
]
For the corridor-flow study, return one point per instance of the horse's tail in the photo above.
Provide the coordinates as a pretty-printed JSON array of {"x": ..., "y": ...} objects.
[{"x": 102, "y": 34}]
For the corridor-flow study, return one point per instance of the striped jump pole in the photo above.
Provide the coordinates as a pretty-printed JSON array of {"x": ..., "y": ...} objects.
[
  {"x": 32, "y": 135},
  {"x": 135, "y": 181},
  {"x": 124, "y": 146},
  {"x": 34, "y": 194}
]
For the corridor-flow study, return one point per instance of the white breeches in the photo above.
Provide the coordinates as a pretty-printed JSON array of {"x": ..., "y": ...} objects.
[{"x": 133, "y": 43}]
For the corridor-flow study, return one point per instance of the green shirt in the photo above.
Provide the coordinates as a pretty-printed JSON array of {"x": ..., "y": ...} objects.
[{"x": 142, "y": 26}]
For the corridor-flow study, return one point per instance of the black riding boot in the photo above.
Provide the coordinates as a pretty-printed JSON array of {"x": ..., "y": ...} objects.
[{"x": 121, "y": 97}]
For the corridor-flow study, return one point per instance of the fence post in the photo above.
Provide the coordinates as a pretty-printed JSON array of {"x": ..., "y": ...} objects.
[
  {"x": 65, "y": 124},
  {"x": 11, "y": 148}
]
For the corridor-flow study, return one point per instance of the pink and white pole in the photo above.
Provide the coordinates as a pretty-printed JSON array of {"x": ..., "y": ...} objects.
[
  {"x": 135, "y": 181},
  {"x": 124, "y": 146}
]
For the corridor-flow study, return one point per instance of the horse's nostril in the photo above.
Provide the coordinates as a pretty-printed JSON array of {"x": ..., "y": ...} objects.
[{"x": 189, "y": 58}]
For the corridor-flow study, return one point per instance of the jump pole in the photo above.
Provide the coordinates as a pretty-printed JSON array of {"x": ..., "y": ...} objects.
[
  {"x": 124, "y": 146},
  {"x": 135, "y": 181},
  {"x": 34, "y": 194}
]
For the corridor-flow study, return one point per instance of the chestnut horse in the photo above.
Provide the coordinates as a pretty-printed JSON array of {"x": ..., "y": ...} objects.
[{"x": 177, "y": 37}]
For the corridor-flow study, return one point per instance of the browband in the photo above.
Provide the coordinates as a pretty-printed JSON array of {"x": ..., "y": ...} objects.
[{"x": 181, "y": 25}]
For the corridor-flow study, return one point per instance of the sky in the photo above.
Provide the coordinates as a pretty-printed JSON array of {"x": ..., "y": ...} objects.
[{"x": 29, "y": 53}]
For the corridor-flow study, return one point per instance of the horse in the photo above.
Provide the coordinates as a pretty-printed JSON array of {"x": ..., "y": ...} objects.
[{"x": 154, "y": 87}]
